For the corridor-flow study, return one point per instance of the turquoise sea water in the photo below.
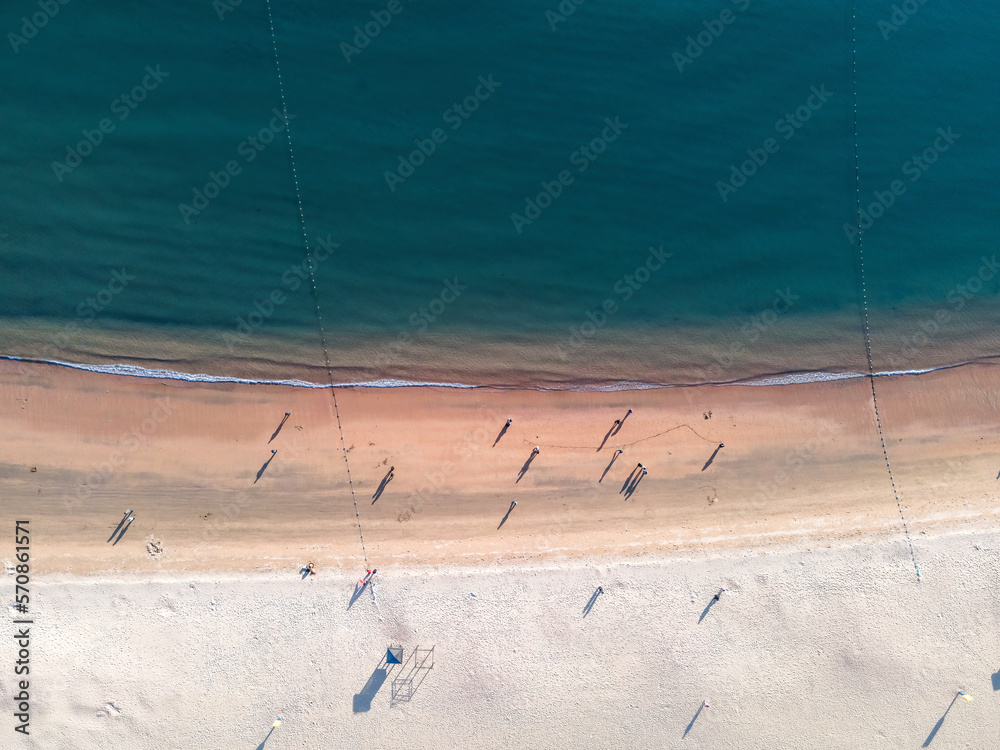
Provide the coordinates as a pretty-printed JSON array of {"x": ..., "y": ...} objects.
[{"x": 431, "y": 278}]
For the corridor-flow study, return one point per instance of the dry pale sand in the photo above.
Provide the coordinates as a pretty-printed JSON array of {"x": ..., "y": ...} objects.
[
  {"x": 821, "y": 648},
  {"x": 837, "y": 646}
]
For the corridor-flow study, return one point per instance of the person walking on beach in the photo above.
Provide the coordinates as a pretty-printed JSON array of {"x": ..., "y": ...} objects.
[
  {"x": 716, "y": 597},
  {"x": 509, "y": 421},
  {"x": 600, "y": 589},
  {"x": 535, "y": 450}
]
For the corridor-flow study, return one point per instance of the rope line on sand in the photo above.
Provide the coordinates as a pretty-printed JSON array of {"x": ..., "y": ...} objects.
[
  {"x": 864, "y": 289},
  {"x": 312, "y": 278}
]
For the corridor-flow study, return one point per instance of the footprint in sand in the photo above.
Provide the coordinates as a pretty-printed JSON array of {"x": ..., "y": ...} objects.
[{"x": 109, "y": 709}]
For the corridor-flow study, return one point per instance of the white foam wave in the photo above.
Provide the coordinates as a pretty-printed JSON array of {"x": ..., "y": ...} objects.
[
  {"x": 136, "y": 371},
  {"x": 796, "y": 378}
]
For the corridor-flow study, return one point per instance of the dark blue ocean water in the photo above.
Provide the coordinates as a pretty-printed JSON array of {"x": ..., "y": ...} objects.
[{"x": 732, "y": 152}]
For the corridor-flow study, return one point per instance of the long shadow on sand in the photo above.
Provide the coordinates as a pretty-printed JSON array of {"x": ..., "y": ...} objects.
[
  {"x": 607, "y": 436},
  {"x": 712, "y": 457},
  {"x": 940, "y": 723},
  {"x": 593, "y": 600},
  {"x": 282, "y": 424},
  {"x": 122, "y": 534},
  {"x": 503, "y": 431},
  {"x": 608, "y": 468},
  {"x": 512, "y": 505},
  {"x": 363, "y": 700},
  {"x": 996, "y": 680},
  {"x": 693, "y": 720},
  {"x": 358, "y": 591},
  {"x": 381, "y": 488},
  {"x": 621, "y": 423},
  {"x": 118, "y": 527},
  {"x": 261, "y": 745},
  {"x": 264, "y": 467},
  {"x": 711, "y": 603},
  {"x": 628, "y": 480},
  {"x": 632, "y": 487},
  {"x": 527, "y": 465}
]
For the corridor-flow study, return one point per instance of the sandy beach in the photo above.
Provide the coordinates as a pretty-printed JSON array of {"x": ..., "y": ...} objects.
[
  {"x": 824, "y": 633},
  {"x": 801, "y": 462},
  {"x": 833, "y": 647}
]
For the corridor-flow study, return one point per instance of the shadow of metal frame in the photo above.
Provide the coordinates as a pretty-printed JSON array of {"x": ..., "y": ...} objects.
[{"x": 405, "y": 686}]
